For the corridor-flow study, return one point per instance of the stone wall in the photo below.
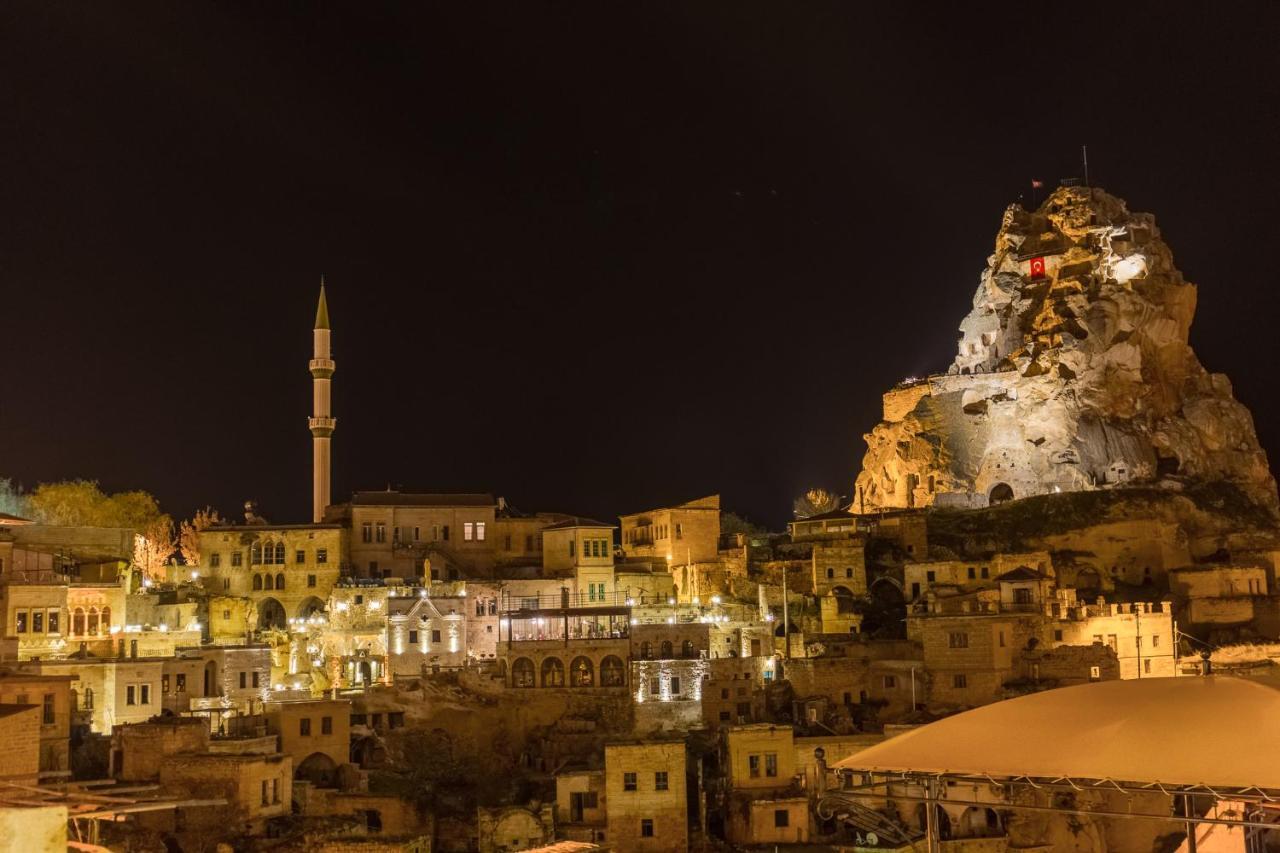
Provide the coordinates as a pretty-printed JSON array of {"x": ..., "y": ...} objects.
[
  {"x": 666, "y": 810},
  {"x": 20, "y": 734}
]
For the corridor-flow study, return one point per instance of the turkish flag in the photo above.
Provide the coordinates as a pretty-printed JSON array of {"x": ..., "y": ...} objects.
[{"x": 1037, "y": 267}]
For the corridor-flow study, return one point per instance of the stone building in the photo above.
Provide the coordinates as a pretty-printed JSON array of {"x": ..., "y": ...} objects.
[
  {"x": 285, "y": 570},
  {"x": 20, "y": 730},
  {"x": 398, "y": 534},
  {"x": 216, "y": 681},
  {"x": 645, "y": 796},
  {"x": 581, "y": 807},
  {"x": 315, "y": 734},
  {"x": 764, "y": 802},
  {"x": 52, "y": 695},
  {"x": 1219, "y": 595},
  {"x": 681, "y": 535},
  {"x": 256, "y": 788}
]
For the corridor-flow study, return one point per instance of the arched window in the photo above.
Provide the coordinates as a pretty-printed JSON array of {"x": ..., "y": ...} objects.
[
  {"x": 257, "y": 582},
  {"x": 552, "y": 673},
  {"x": 88, "y": 698},
  {"x": 280, "y": 580},
  {"x": 611, "y": 672},
  {"x": 255, "y": 554},
  {"x": 106, "y": 620},
  {"x": 687, "y": 650},
  {"x": 581, "y": 672},
  {"x": 77, "y": 622},
  {"x": 646, "y": 650},
  {"x": 279, "y": 561},
  {"x": 522, "y": 673},
  {"x": 93, "y": 621},
  {"x": 666, "y": 650}
]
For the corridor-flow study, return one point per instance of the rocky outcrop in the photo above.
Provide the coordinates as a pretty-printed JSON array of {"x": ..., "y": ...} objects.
[{"x": 1073, "y": 373}]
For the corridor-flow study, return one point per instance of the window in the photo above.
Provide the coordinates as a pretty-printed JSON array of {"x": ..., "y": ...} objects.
[
  {"x": 164, "y": 684},
  {"x": 266, "y": 799},
  {"x": 226, "y": 614},
  {"x": 646, "y": 828},
  {"x": 435, "y": 636},
  {"x": 468, "y": 531},
  {"x": 973, "y": 573},
  {"x": 958, "y": 641},
  {"x": 255, "y": 554},
  {"x": 1155, "y": 640},
  {"x": 959, "y": 681},
  {"x": 528, "y": 542},
  {"x": 304, "y": 727},
  {"x": 54, "y": 621},
  {"x": 479, "y": 531},
  {"x": 47, "y": 717},
  {"x": 831, "y": 573},
  {"x": 890, "y": 682},
  {"x": 326, "y": 725},
  {"x": 771, "y": 764},
  {"x": 1057, "y": 635},
  {"x": 444, "y": 533},
  {"x": 628, "y": 781},
  {"x": 275, "y": 790},
  {"x": 781, "y": 817},
  {"x": 299, "y": 556},
  {"x": 130, "y": 695},
  {"x": 1146, "y": 666},
  {"x": 244, "y": 680},
  {"x": 753, "y": 766},
  {"x": 675, "y": 685},
  {"x": 930, "y": 576},
  {"x": 660, "y": 780},
  {"x": 21, "y": 616},
  {"x": 88, "y": 698},
  {"x": 571, "y": 543},
  {"x": 373, "y": 569},
  {"x": 37, "y": 621},
  {"x": 1002, "y": 639},
  {"x": 322, "y": 555},
  {"x": 655, "y": 686},
  {"x": 848, "y": 572},
  {"x": 413, "y": 638},
  {"x": 237, "y": 559},
  {"x": 1111, "y": 641},
  {"x": 226, "y": 583},
  {"x": 146, "y": 694},
  {"x": 215, "y": 559},
  {"x": 181, "y": 682},
  {"x": 311, "y": 580},
  {"x": 986, "y": 572},
  {"x": 366, "y": 532},
  {"x": 380, "y": 534},
  {"x": 255, "y": 679}
]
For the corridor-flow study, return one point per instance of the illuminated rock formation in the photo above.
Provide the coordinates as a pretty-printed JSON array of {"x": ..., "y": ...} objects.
[{"x": 1073, "y": 373}]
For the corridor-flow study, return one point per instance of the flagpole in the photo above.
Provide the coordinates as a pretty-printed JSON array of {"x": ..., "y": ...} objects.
[{"x": 1084, "y": 154}]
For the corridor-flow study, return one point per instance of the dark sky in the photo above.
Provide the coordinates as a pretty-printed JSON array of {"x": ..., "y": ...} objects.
[{"x": 593, "y": 257}]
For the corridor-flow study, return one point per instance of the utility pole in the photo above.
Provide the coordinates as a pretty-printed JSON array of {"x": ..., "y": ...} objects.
[{"x": 786, "y": 632}]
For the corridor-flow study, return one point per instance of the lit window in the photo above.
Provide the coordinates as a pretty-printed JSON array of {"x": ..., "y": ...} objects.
[
  {"x": 53, "y": 621},
  {"x": 381, "y": 532},
  {"x": 479, "y": 531},
  {"x": 37, "y": 621},
  {"x": 322, "y": 555},
  {"x": 468, "y": 531},
  {"x": 366, "y": 532},
  {"x": 21, "y": 616}
]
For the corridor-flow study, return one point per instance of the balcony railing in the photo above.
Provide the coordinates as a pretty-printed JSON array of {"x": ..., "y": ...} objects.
[{"x": 566, "y": 600}]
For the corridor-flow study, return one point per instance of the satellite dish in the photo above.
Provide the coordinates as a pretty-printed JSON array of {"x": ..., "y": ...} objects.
[{"x": 873, "y": 839}]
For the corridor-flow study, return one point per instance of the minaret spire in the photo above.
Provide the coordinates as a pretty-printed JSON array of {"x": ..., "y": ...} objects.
[{"x": 321, "y": 422}]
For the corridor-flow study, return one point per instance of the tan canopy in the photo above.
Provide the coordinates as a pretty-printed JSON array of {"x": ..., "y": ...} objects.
[{"x": 1218, "y": 731}]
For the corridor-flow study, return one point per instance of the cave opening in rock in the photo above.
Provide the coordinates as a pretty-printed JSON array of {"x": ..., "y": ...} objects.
[{"x": 1000, "y": 493}]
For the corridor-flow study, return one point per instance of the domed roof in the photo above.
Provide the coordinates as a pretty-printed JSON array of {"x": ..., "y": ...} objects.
[{"x": 1217, "y": 730}]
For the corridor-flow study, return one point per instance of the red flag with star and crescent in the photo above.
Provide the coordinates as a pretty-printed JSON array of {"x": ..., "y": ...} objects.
[{"x": 1037, "y": 267}]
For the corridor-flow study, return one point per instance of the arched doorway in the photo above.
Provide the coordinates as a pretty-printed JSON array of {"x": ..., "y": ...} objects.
[
  {"x": 271, "y": 614},
  {"x": 310, "y": 607},
  {"x": 522, "y": 673},
  {"x": 365, "y": 672},
  {"x": 845, "y": 600},
  {"x": 582, "y": 672},
  {"x": 1000, "y": 493},
  {"x": 1088, "y": 579},
  {"x": 941, "y": 819},
  {"x": 552, "y": 673},
  {"x": 211, "y": 679},
  {"x": 318, "y": 769},
  {"x": 611, "y": 672}
]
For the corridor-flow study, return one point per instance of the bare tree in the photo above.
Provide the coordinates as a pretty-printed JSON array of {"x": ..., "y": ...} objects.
[
  {"x": 153, "y": 547},
  {"x": 189, "y": 534},
  {"x": 815, "y": 502}
]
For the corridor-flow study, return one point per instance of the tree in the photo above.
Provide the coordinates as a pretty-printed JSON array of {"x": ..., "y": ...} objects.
[
  {"x": 12, "y": 499},
  {"x": 815, "y": 502},
  {"x": 153, "y": 547},
  {"x": 189, "y": 534},
  {"x": 731, "y": 524},
  {"x": 82, "y": 503}
]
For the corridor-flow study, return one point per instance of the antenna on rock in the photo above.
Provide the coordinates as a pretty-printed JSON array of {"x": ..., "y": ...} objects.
[{"x": 1084, "y": 156}]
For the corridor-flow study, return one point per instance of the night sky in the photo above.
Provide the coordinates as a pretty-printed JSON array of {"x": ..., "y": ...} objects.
[{"x": 593, "y": 257}]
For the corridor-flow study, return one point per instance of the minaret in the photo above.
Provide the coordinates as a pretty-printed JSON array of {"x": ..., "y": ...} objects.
[{"x": 321, "y": 423}]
